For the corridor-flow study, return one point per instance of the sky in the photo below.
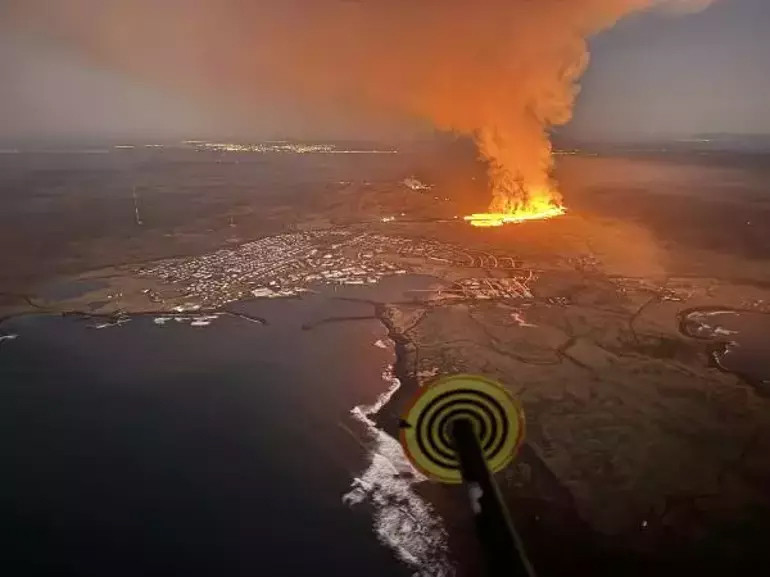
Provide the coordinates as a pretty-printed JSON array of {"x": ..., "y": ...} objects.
[
  {"x": 652, "y": 74},
  {"x": 700, "y": 73}
]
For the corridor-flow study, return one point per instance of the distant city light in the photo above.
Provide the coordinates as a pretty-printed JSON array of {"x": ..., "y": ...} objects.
[{"x": 283, "y": 147}]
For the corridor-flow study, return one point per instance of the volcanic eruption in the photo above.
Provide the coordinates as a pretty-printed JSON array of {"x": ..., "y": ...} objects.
[{"x": 501, "y": 71}]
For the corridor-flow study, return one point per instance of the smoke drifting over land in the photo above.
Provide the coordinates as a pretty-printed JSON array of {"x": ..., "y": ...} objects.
[{"x": 503, "y": 71}]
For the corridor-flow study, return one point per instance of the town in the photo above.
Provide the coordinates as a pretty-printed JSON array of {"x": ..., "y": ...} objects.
[{"x": 289, "y": 264}]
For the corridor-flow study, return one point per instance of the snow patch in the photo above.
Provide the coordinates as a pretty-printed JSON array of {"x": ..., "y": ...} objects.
[
  {"x": 428, "y": 374},
  {"x": 193, "y": 320},
  {"x": 706, "y": 323},
  {"x": 518, "y": 318},
  {"x": 111, "y": 323},
  {"x": 721, "y": 332},
  {"x": 415, "y": 184}
]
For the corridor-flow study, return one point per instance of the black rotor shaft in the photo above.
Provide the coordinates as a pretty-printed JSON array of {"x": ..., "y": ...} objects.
[{"x": 503, "y": 549}]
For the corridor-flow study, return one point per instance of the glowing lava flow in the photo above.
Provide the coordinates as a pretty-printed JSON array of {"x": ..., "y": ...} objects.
[{"x": 490, "y": 219}]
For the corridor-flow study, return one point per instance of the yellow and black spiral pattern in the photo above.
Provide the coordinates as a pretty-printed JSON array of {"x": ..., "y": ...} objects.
[{"x": 426, "y": 426}]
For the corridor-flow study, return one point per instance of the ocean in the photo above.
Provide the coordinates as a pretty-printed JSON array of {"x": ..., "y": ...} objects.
[{"x": 229, "y": 448}]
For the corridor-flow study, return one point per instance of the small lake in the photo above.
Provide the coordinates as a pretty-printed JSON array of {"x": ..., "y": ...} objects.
[{"x": 741, "y": 341}]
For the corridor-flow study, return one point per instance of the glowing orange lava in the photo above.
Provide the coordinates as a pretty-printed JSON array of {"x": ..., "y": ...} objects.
[{"x": 490, "y": 219}]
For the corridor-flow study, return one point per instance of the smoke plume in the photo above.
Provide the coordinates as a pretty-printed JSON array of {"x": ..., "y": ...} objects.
[{"x": 503, "y": 71}]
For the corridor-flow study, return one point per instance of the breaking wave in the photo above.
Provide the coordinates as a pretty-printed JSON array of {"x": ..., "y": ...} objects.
[{"x": 403, "y": 521}]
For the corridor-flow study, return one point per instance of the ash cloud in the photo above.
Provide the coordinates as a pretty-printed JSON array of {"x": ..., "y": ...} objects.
[{"x": 503, "y": 71}]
